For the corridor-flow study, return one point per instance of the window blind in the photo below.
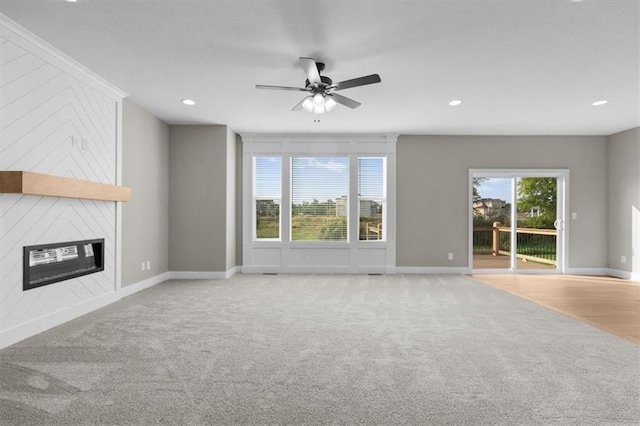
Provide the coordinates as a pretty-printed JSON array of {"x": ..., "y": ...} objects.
[
  {"x": 319, "y": 198},
  {"x": 267, "y": 196},
  {"x": 371, "y": 197}
]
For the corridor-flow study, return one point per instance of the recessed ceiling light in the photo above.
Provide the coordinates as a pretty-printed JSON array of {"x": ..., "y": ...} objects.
[
  {"x": 598, "y": 103},
  {"x": 189, "y": 102},
  {"x": 72, "y": 1},
  {"x": 455, "y": 102}
]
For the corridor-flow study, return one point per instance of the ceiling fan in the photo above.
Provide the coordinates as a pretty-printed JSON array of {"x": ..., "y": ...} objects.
[{"x": 322, "y": 97}]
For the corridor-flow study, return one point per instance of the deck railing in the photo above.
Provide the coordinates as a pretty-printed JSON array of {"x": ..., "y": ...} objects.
[{"x": 537, "y": 245}]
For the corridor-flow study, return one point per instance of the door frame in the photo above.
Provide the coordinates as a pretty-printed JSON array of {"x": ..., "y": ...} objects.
[{"x": 562, "y": 204}]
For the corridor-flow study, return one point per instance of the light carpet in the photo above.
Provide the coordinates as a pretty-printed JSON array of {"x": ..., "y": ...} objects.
[{"x": 321, "y": 349}]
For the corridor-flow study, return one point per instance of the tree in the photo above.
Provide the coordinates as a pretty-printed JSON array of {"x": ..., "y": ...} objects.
[
  {"x": 476, "y": 187},
  {"x": 538, "y": 193}
]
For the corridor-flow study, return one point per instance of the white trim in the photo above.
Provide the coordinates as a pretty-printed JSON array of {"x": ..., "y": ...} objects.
[
  {"x": 344, "y": 270},
  {"x": 29, "y": 41},
  {"x": 118, "y": 218},
  {"x": 431, "y": 270},
  {"x": 625, "y": 275},
  {"x": 23, "y": 331},
  {"x": 204, "y": 275},
  {"x": 273, "y": 269},
  {"x": 143, "y": 285},
  {"x": 588, "y": 271},
  {"x": 279, "y": 138},
  {"x": 288, "y": 145}
]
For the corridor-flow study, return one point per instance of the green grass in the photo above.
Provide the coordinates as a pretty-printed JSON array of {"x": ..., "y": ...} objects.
[
  {"x": 312, "y": 228},
  {"x": 268, "y": 227},
  {"x": 318, "y": 228},
  {"x": 305, "y": 228}
]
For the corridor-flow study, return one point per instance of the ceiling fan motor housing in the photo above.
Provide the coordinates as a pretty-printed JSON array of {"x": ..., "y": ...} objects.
[{"x": 326, "y": 82}]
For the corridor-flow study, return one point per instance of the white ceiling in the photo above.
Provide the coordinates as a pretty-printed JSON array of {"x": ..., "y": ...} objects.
[{"x": 520, "y": 67}]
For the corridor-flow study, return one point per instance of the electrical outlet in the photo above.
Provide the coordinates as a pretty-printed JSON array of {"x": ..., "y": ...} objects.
[
  {"x": 148, "y": 265},
  {"x": 143, "y": 266},
  {"x": 623, "y": 259},
  {"x": 450, "y": 256}
]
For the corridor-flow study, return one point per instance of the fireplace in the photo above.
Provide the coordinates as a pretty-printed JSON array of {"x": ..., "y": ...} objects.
[{"x": 50, "y": 263}]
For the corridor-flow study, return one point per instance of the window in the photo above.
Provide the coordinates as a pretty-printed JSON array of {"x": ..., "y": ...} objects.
[
  {"x": 371, "y": 198},
  {"x": 318, "y": 203},
  {"x": 267, "y": 196},
  {"x": 319, "y": 198}
]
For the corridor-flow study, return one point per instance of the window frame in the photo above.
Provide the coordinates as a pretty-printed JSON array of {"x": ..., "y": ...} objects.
[
  {"x": 383, "y": 200},
  {"x": 290, "y": 201},
  {"x": 286, "y": 256},
  {"x": 257, "y": 198}
]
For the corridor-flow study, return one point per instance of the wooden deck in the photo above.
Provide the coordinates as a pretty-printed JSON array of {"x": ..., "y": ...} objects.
[
  {"x": 488, "y": 261},
  {"x": 609, "y": 304}
]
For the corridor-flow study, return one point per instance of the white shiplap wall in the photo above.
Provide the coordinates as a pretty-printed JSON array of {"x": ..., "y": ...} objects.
[{"x": 59, "y": 119}]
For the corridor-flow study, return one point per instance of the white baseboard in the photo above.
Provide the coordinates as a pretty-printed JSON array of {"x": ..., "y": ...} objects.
[
  {"x": 345, "y": 270},
  {"x": 204, "y": 275},
  {"x": 23, "y": 331},
  {"x": 587, "y": 271},
  {"x": 260, "y": 269},
  {"x": 431, "y": 270},
  {"x": 142, "y": 285},
  {"x": 231, "y": 272},
  {"x": 625, "y": 275}
]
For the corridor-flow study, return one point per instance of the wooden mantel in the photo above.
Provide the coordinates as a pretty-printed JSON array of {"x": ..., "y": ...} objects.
[{"x": 29, "y": 183}]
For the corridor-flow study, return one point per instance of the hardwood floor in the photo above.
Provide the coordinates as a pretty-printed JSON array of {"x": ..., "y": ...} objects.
[{"x": 609, "y": 304}]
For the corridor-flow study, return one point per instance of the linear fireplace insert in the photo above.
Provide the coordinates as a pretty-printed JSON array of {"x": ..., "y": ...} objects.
[{"x": 50, "y": 263}]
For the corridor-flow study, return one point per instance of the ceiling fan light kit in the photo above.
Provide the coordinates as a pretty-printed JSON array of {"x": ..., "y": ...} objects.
[
  {"x": 318, "y": 103},
  {"x": 322, "y": 97}
]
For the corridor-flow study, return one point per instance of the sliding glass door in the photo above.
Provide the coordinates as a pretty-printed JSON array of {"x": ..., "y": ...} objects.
[{"x": 516, "y": 220}]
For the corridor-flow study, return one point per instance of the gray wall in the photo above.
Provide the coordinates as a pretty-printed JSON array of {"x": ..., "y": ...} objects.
[
  {"x": 433, "y": 192},
  {"x": 624, "y": 196},
  {"x": 198, "y": 201},
  {"x": 145, "y": 219},
  {"x": 231, "y": 199}
]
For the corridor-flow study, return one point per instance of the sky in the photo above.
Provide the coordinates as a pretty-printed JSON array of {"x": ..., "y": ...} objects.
[
  {"x": 499, "y": 188},
  {"x": 323, "y": 178}
]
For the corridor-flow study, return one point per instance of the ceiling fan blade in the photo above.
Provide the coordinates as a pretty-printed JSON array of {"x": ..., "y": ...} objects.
[
  {"x": 360, "y": 81},
  {"x": 344, "y": 100},
  {"x": 297, "y": 89},
  {"x": 311, "y": 69}
]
